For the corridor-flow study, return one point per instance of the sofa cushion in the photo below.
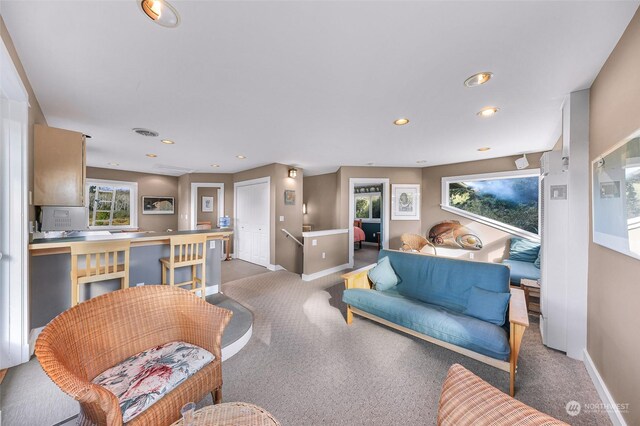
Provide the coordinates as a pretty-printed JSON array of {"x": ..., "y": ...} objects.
[
  {"x": 521, "y": 270},
  {"x": 382, "y": 275},
  {"x": 488, "y": 305},
  {"x": 142, "y": 379},
  {"x": 523, "y": 250},
  {"x": 443, "y": 281},
  {"x": 435, "y": 321}
]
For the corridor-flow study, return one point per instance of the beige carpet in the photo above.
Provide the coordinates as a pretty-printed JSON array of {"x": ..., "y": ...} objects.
[{"x": 307, "y": 367}]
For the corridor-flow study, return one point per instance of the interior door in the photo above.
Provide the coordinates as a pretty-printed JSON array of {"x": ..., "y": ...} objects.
[{"x": 252, "y": 223}]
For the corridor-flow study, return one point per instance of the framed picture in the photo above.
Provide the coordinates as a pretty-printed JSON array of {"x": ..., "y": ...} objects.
[
  {"x": 405, "y": 202},
  {"x": 207, "y": 204},
  {"x": 289, "y": 197},
  {"x": 158, "y": 205}
]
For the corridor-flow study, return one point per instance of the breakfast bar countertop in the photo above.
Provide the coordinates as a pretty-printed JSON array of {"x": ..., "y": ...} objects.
[{"x": 63, "y": 245}]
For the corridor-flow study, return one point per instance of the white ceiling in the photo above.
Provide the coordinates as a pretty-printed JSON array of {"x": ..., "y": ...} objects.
[{"x": 315, "y": 84}]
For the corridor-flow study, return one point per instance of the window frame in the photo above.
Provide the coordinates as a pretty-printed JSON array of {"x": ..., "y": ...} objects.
[
  {"x": 370, "y": 219},
  {"x": 444, "y": 205},
  {"x": 133, "y": 202}
]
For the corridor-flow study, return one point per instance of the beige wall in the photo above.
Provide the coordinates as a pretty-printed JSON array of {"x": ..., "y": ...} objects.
[
  {"x": 320, "y": 197},
  {"x": 395, "y": 175},
  {"x": 148, "y": 184},
  {"x": 335, "y": 247},
  {"x": 494, "y": 241},
  {"x": 35, "y": 113},
  {"x": 614, "y": 288}
]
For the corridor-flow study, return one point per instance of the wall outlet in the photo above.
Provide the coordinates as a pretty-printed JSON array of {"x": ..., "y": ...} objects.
[
  {"x": 324, "y": 255},
  {"x": 281, "y": 218},
  {"x": 471, "y": 255},
  {"x": 139, "y": 284},
  {"x": 212, "y": 244},
  {"x": 314, "y": 242}
]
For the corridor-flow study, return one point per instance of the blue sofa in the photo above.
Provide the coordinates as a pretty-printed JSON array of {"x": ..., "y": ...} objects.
[
  {"x": 524, "y": 260},
  {"x": 431, "y": 301}
]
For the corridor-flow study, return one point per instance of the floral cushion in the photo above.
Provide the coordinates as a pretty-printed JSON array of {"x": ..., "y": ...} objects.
[{"x": 141, "y": 380}]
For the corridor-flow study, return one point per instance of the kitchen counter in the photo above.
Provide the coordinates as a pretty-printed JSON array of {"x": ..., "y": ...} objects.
[
  {"x": 47, "y": 246},
  {"x": 50, "y": 265}
]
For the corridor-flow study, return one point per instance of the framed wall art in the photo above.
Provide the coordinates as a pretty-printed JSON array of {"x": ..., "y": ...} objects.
[{"x": 405, "y": 202}]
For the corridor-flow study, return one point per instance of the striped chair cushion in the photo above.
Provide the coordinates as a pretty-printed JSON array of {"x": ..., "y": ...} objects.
[{"x": 466, "y": 399}]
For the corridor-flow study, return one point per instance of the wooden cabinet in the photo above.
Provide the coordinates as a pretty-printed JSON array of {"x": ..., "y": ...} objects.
[{"x": 59, "y": 167}]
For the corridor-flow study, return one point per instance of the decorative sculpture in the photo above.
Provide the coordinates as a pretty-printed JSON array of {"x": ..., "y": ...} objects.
[{"x": 452, "y": 234}]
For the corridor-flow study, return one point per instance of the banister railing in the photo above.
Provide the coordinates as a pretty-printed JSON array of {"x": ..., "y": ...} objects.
[{"x": 290, "y": 235}]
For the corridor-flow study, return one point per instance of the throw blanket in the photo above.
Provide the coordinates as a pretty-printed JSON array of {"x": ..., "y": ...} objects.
[{"x": 358, "y": 234}]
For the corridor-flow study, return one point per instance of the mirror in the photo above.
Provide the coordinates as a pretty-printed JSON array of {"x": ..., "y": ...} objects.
[{"x": 616, "y": 197}]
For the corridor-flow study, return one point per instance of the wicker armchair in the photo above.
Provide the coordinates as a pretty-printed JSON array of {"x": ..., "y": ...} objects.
[
  {"x": 414, "y": 242},
  {"x": 93, "y": 336}
]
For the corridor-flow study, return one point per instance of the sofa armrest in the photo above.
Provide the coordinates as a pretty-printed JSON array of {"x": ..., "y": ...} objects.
[
  {"x": 518, "y": 308},
  {"x": 358, "y": 278}
]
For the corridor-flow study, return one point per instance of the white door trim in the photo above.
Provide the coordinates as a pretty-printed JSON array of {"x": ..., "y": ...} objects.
[
  {"x": 14, "y": 297},
  {"x": 194, "y": 201},
  {"x": 236, "y": 185},
  {"x": 386, "y": 210}
]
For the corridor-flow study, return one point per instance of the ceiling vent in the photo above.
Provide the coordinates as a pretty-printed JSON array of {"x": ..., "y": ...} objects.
[
  {"x": 171, "y": 170},
  {"x": 146, "y": 132}
]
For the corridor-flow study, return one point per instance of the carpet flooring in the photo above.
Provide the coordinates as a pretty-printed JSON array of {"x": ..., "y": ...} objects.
[{"x": 307, "y": 367}]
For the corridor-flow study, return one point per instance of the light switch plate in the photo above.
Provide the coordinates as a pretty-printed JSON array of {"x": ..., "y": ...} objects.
[
  {"x": 212, "y": 244},
  {"x": 314, "y": 242},
  {"x": 281, "y": 218},
  {"x": 324, "y": 255}
]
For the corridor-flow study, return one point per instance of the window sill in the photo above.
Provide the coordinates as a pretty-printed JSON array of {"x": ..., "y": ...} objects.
[{"x": 493, "y": 223}]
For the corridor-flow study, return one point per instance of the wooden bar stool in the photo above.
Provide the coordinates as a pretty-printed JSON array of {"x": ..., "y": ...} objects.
[
  {"x": 100, "y": 264},
  {"x": 187, "y": 250}
]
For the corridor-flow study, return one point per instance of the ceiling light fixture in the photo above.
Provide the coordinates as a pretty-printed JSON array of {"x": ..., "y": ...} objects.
[
  {"x": 241, "y": 157},
  {"x": 167, "y": 141},
  {"x": 215, "y": 165},
  {"x": 151, "y": 155},
  {"x": 293, "y": 172},
  {"x": 484, "y": 148},
  {"x": 401, "y": 121},
  {"x": 478, "y": 79},
  {"x": 488, "y": 112},
  {"x": 114, "y": 164},
  {"x": 160, "y": 12},
  {"x": 146, "y": 132},
  {"x": 369, "y": 164},
  {"x": 421, "y": 161}
]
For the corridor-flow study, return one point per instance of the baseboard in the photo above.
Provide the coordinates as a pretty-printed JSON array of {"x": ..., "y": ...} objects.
[
  {"x": 275, "y": 268},
  {"x": 607, "y": 399},
  {"x": 320, "y": 274},
  {"x": 33, "y": 336},
  {"x": 234, "y": 348}
]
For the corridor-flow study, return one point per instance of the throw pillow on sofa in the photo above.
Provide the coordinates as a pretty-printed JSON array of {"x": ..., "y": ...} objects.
[
  {"x": 382, "y": 275},
  {"x": 487, "y": 305},
  {"x": 523, "y": 250}
]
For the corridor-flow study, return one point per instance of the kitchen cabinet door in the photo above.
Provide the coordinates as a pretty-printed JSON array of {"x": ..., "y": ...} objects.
[{"x": 58, "y": 167}]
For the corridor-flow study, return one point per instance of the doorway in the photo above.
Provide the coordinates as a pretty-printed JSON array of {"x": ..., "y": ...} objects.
[
  {"x": 14, "y": 308},
  {"x": 207, "y": 204},
  {"x": 370, "y": 197},
  {"x": 252, "y": 236}
]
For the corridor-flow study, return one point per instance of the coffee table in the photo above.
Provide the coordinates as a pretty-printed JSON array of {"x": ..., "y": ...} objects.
[{"x": 232, "y": 414}]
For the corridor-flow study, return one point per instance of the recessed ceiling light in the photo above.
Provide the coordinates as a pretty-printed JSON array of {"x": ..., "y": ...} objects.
[
  {"x": 151, "y": 155},
  {"x": 160, "y": 12},
  {"x": 241, "y": 157},
  {"x": 167, "y": 141},
  {"x": 401, "y": 121},
  {"x": 488, "y": 111},
  {"x": 478, "y": 79},
  {"x": 421, "y": 161},
  {"x": 484, "y": 148},
  {"x": 215, "y": 165},
  {"x": 114, "y": 164},
  {"x": 369, "y": 164}
]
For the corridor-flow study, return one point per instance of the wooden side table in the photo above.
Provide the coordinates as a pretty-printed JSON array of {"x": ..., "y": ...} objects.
[
  {"x": 232, "y": 414},
  {"x": 531, "y": 289}
]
